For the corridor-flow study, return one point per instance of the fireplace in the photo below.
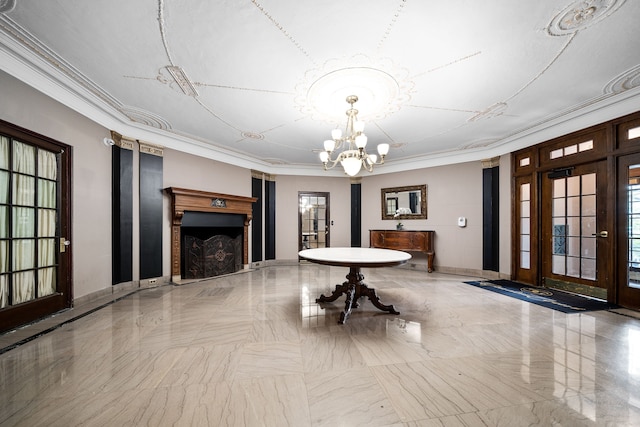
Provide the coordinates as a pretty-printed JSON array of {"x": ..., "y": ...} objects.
[{"x": 209, "y": 233}]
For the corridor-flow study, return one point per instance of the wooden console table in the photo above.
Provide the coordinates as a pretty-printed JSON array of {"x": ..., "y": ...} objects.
[{"x": 405, "y": 240}]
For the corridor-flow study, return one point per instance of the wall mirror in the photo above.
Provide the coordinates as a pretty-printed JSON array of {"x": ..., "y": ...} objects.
[{"x": 408, "y": 202}]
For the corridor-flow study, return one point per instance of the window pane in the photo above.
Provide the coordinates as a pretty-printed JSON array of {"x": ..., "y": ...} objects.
[
  {"x": 589, "y": 269},
  {"x": 573, "y": 246},
  {"x": 46, "y": 194},
  {"x": 23, "y": 254},
  {"x": 525, "y": 192},
  {"x": 588, "y": 226},
  {"x": 24, "y": 158},
  {"x": 4, "y": 187},
  {"x": 573, "y": 267},
  {"x": 558, "y": 264},
  {"x": 46, "y": 252},
  {"x": 559, "y": 187},
  {"x": 558, "y": 207},
  {"x": 4, "y": 222},
  {"x": 573, "y": 206},
  {"x": 525, "y": 261},
  {"x": 4, "y": 152},
  {"x": 4, "y": 291},
  {"x": 46, "y": 223},
  {"x": 573, "y": 226},
  {"x": 23, "y": 222},
  {"x": 23, "y": 190},
  {"x": 23, "y": 287},
  {"x": 573, "y": 186},
  {"x": 525, "y": 226},
  {"x": 525, "y": 209},
  {"x": 589, "y": 247},
  {"x": 4, "y": 257},
  {"x": 589, "y": 183},
  {"x": 46, "y": 281},
  {"x": 589, "y": 205},
  {"x": 47, "y": 164}
]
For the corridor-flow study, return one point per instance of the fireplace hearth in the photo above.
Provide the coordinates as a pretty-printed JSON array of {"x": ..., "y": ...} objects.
[
  {"x": 209, "y": 233},
  {"x": 210, "y": 252}
]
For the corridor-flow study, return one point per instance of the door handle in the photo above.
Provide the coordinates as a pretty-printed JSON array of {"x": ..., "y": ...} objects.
[
  {"x": 601, "y": 234},
  {"x": 63, "y": 244}
]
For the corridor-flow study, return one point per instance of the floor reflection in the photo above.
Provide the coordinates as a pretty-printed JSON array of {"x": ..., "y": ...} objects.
[{"x": 255, "y": 349}]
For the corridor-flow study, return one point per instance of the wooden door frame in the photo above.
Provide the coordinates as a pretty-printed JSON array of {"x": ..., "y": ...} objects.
[
  {"x": 604, "y": 267},
  {"x": 621, "y": 290},
  {"x": 14, "y": 316},
  {"x": 327, "y": 216}
]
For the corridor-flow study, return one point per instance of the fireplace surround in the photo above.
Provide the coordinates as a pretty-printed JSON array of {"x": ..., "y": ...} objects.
[{"x": 220, "y": 214}]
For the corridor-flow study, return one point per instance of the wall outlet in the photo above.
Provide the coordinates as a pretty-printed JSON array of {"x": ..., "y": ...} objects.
[{"x": 152, "y": 281}]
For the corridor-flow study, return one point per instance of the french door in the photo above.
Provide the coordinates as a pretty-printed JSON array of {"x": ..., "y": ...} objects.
[
  {"x": 313, "y": 220},
  {"x": 34, "y": 227},
  {"x": 628, "y": 284},
  {"x": 575, "y": 244}
]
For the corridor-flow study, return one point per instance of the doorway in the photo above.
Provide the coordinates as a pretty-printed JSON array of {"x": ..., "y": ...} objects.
[
  {"x": 575, "y": 239},
  {"x": 313, "y": 220},
  {"x": 628, "y": 284},
  {"x": 35, "y": 273}
]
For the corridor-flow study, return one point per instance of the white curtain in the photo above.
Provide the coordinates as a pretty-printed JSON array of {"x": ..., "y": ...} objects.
[
  {"x": 47, "y": 174},
  {"x": 23, "y": 232},
  {"x": 4, "y": 218}
]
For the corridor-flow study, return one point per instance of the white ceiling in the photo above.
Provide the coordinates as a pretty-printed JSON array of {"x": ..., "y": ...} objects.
[{"x": 261, "y": 83}]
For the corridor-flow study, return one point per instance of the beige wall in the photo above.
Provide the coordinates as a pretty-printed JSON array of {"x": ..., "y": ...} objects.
[
  {"x": 91, "y": 175},
  {"x": 453, "y": 191},
  {"x": 197, "y": 173},
  {"x": 287, "y": 188}
]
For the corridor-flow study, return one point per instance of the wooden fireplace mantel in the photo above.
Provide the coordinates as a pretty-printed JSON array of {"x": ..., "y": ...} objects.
[{"x": 183, "y": 200}]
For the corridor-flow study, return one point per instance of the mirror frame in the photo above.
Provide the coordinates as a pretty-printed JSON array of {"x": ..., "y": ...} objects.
[{"x": 423, "y": 201}]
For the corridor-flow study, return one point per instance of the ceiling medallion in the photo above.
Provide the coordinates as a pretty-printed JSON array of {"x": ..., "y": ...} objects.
[
  {"x": 581, "y": 14},
  {"x": 252, "y": 135},
  {"x": 382, "y": 89},
  {"x": 7, "y": 6},
  {"x": 627, "y": 80}
]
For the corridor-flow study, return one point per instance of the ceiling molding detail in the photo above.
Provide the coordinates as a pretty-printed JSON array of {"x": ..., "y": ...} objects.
[
  {"x": 7, "y": 6},
  {"x": 625, "y": 81},
  {"x": 382, "y": 89},
  {"x": 581, "y": 14}
]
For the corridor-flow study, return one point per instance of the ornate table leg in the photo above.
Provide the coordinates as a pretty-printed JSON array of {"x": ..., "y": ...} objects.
[{"x": 355, "y": 289}]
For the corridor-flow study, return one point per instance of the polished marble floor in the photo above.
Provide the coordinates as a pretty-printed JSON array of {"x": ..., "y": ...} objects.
[{"x": 254, "y": 349}]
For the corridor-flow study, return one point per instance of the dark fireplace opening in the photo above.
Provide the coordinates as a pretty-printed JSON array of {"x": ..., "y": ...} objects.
[{"x": 211, "y": 244}]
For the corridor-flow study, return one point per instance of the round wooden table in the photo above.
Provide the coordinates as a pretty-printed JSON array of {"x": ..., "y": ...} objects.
[{"x": 354, "y": 287}]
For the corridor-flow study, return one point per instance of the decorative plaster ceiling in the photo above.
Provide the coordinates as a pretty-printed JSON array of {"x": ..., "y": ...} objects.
[{"x": 261, "y": 84}]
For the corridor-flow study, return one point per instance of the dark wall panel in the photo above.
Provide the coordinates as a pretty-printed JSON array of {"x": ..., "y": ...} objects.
[
  {"x": 256, "y": 222},
  {"x": 150, "y": 216},
  {"x": 122, "y": 215},
  {"x": 270, "y": 220},
  {"x": 356, "y": 215},
  {"x": 490, "y": 219}
]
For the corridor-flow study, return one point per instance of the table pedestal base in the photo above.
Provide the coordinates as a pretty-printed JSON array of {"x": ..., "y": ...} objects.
[{"x": 355, "y": 289}]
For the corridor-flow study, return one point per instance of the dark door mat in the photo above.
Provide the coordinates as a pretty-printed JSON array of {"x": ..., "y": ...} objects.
[{"x": 545, "y": 297}]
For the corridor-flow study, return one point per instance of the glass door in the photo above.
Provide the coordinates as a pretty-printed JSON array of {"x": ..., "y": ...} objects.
[
  {"x": 575, "y": 241},
  {"x": 313, "y": 220},
  {"x": 628, "y": 288},
  {"x": 34, "y": 268}
]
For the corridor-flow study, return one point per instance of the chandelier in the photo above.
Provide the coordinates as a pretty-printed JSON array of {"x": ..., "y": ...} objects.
[{"x": 355, "y": 156}]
